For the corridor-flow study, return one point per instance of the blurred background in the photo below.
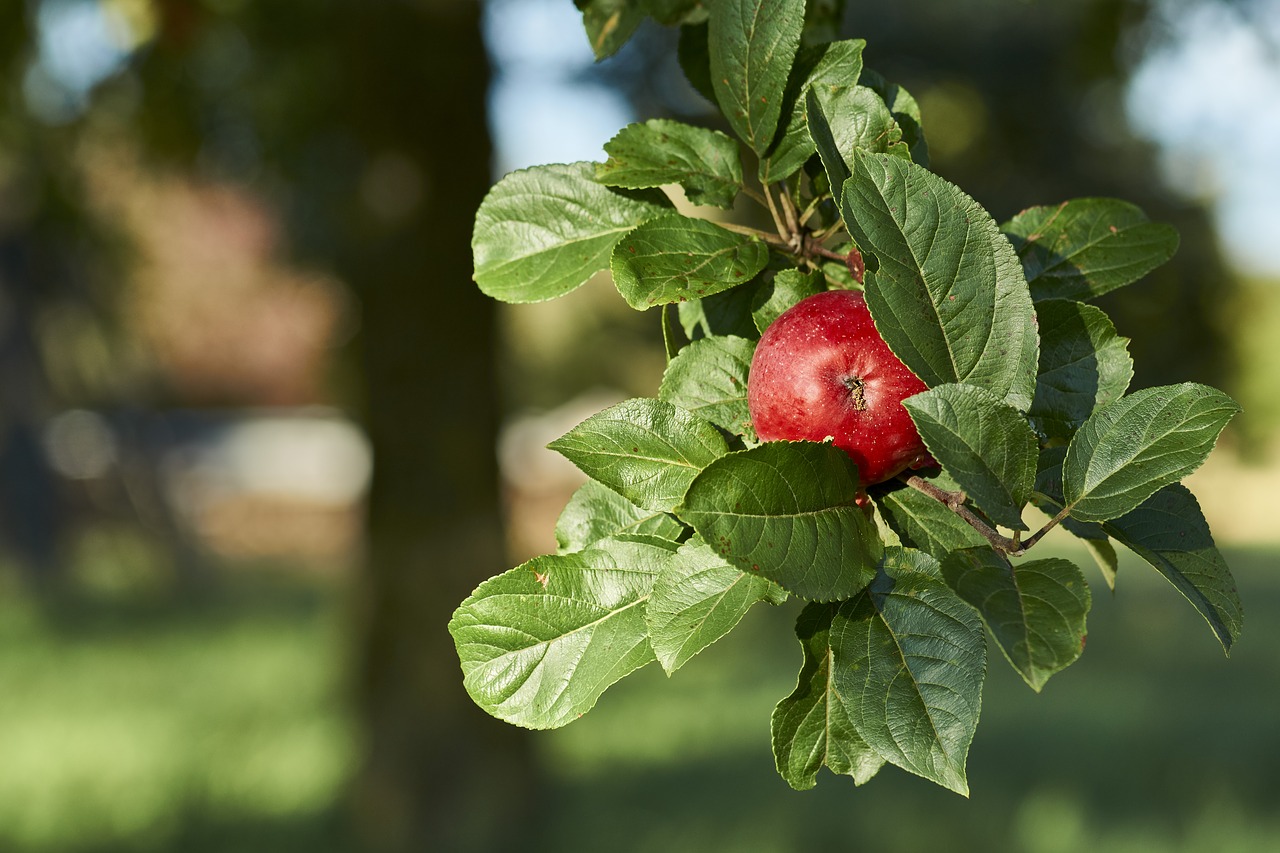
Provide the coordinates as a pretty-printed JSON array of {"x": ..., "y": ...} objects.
[{"x": 260, "y": 434}]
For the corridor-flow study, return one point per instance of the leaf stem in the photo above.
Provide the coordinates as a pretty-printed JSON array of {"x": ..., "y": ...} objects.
[
  {"x": 783, "y": 232},
  {"x": 818, "y": 249},
  {"x": 812, "y": 208},
  {"x": 771, "y": 239},
  {"x": 754, "y": 196},
  {"x": 789, "y": 210},
  {"x": 1052, "y": 523},
  {"x": 826, "y": 233}
]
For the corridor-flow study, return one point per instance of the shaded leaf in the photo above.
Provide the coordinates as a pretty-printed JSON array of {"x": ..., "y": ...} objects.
[
  {"x": 838, "y": 63},
  {"x": 923, "y": 523},
  {"x": 985, "y": 445},
  {"x": 910, "y": 658},
  {"x": 787, "y": 288},
  {"x": 675, "y": 258},
  {"x": 725, "y": 313},
  {"x": 697, "y": 599},
  {"x": 694, "y": 57},
  {"x": 948, "y": 297},
  {"x": 1169, "y": 531},
  {"x": 609, "y": 24},
  {"x": 597, "y": 512},
  {"x": 1047, "y": 495},
  {"x": 709, "y": 378},
  {"x": 811, "y": 727},
  {"x": 542, "y": 232},
  {"x": 648, "y": 451},
  {"x": 1088, "y": 246},
  {"x": 786, "y": 510},
  {"x": 1036, "y": 610},
  {"x": 1128, "y": 449},
  {"x": 704, "y": 162},
  {"x": 1083, "y": 364},
  {"x": 752, "y": 45}
]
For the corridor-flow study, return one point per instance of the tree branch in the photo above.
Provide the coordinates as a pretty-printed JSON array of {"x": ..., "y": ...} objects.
[{"x": 955, "y": 501}]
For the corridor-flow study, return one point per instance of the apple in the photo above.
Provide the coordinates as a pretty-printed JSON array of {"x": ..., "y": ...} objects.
[{"x": 821, "y": 371}]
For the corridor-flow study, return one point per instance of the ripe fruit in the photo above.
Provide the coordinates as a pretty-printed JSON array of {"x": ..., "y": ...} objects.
[{"x": 822, "y": 370}]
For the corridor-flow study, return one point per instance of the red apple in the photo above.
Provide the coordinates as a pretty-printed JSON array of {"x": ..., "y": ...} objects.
[{"x": 821, "y": 370}]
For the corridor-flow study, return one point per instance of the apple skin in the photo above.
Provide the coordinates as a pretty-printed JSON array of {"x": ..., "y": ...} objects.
[{"x": 822, "y": 370}]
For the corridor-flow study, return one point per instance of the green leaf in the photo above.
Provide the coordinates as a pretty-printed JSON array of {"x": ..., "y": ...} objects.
[
  {"x": 1083, "y": 364},
  {"x": 812, "y": 727},
  {"x": 704, "y": 162},
  {"x": 725, "y": 313},
  {"x": 697, "y": 599},
  {"x": 949, "y": 297},
  {"x": 675, "y": 258},
  {"x": 926, "y": 524},
  {"x": 1035, "y": 610},
  {"x": 670, "y": 340},
  {"x": 838, "y": 63},
  {"x": 844, "y": 119},
  {"x": 1047, "y": 495},
  {"x": 1129, "y": 449},
  {"x": 823, "y": 20},
  {"x": 709, "y": 378},
  {"x": 752, "y": 45},
  {"x": 541, "y": 642},
  {"x": 672, "y": 12},
  {"x": 910, "y": 657},
  {"x": 787, "y": 288},
  {"x": 905, "y": 110},
  {"x": 1169, "y": 531},
  {"x": 542, "y": 232},
  {"x": 609, "y": 23},
  {"x": 786, "y": 510},
  {"x": 1086, "y": 247},
  {"x": 692, "y": 52},
  {"x": 1104, "y": 555},
  {"x": 987, "y": 446},
  {"x": 597, "y": 512},
  {"x": 648, "y": 451}
]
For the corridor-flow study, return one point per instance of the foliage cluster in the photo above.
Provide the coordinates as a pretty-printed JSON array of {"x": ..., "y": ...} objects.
[{"x": 688, "y": 520}]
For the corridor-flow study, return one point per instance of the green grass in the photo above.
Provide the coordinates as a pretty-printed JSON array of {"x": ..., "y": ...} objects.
[
  {"x": 135, "y": 725},
  {"x": 148, "y": 725}
]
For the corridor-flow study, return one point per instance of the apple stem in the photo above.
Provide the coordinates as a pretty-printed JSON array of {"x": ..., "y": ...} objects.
[{"x": 955, "y": 501}]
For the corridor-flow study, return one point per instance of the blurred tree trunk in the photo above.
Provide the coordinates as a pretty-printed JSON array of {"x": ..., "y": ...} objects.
[{"x": 439, "y": 774}]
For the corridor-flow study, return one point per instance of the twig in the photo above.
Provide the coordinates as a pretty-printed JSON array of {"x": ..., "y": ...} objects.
[
  {"x": 1053, "y": 522},
  {"x": 955, "y": 501},
  {"x": 771, "y": 239}
]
